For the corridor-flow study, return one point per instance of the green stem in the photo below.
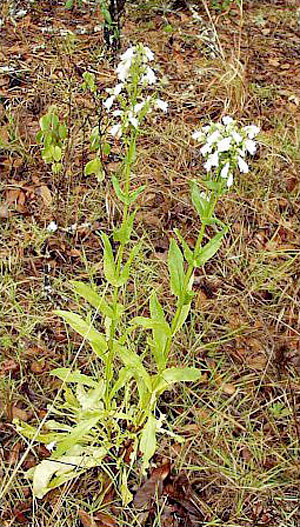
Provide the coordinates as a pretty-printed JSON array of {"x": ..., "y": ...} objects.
[{"x": 129, "y": 160}]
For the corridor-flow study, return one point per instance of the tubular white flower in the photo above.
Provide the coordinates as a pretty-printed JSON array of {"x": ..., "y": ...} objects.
[
  {"x": 227, "y": 120},
  {"x": 244, "y": 169},
  {"x": 212, "y": 161},
  {"x": 198, "y": 135},
  {"x": 116, "y": 130},
  {"x": 250, "y": 145},
  {"x": 161, "y": 105},
  {"x": 128, "y": 54},
  {"x": 148, "y": 53},
  {"x": 225, "y": 170},
  {"x": 213, "y": 138},
  {"x": 252, "y": 130},
  {"x": 236, "y": 137},
  {"x": 52, "y": 227},
  {"x": 109, "y": 102},
  {"x": 224, "y": 144},
  {"x": 206, "y": 149},
  {"x": 133, "y": 120},
  {"x": 150, "y": 76},
  {"x": 230, "y": 180}
]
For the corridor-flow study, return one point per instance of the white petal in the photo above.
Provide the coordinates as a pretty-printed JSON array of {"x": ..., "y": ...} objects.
[
  {"x": 118, "y": 88},
  {"x": 213, "y": 137},
  {"x": 250, "y": 146},
  {"x": 109, "y": 102},
  {"x": 139, "y": 106},
  {"x": 149, "y": 54},
  {"x": 205, "y": 149},
  {"x": 116, "y": 130},
  {"x": 243, "y": 165},
  {"x": 52, "y": 227},
  {"x": 252, "y": 130},
  {"x": 150, "y": 76},
  {"x": 123, "y": 70},
  {"x": 236, "y": 137},
  {"x": 161, "y": 105},
  {"x": 227, "y": 120},
  {"x": 224, "y": 144},
  {"x": 198, "y": 135},
  {"x": 128, "y": 54},
  {"x": 224, "y": 171},
  {"x": 230, "y": 180},
  {"x": 212, "y": 161},
  {"x": 133, "y": 120}
]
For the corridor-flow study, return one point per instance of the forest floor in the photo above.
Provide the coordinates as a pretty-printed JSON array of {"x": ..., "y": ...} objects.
[{"x": 240, "y": 463}]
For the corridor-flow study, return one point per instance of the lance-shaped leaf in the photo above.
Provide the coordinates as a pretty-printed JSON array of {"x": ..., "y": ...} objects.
[
  {"x": 148, "y": 441},
  {"x": 176, "y": 270},
  {"x": 123, "y": 233},
  {"x": 87, "y": 331},
  {"x": 67, "y": 375},
  {"x": 133, "y": 361},
  {"x": 210, "y": 249},
  {"x": 188, "y": 253},
  {"x": 160, "y": 332},
  {"x": 110, "y": 271},
  {"x": 78, "y": 432},
  {"x": 91, "y": 296}
]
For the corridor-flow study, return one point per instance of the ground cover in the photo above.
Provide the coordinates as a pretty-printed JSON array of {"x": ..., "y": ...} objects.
[{"x": 239, "y": 464}]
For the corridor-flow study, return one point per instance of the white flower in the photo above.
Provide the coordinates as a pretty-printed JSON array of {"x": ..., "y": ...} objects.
[
  {"x": 227, "y": 120},
  {"x": 117, "y": 113},
  {"x": 251, "y": 130},
  {"x": 149, "y": 54},
  {"x": 236, "y": 137},
  {"x": 243, "y": 165},
  {"x": 206, "y": 128},
  {"x": 52, "y": 227},
  {"x": 133, "y": 120},
  {"x": 224, "y": 144},
  {"x": 250, "y": 145},
  {"x": 198, "y": 135},
  {"x": 109, "y": 102},
  {"x": 139, "y": 106},
  {"x": 212, "y": 161},
  {"x": 225, "y": 170},
  {"x": 116, "y": 130},
  {"x": 150, "y": 76},
  {"x": 123, "y": 70},
  {"x": 230, "y": 180},
  {"x": 205, "y": 149},
  {"x": 213, "y": 137},
  {"x": 161, "y": 105},
  {"x": 118, "y": 88},
  {"x": 128, "y": 54}
]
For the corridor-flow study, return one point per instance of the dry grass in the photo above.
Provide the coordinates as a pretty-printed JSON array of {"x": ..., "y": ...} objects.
[{"x": 241, "y": 424}]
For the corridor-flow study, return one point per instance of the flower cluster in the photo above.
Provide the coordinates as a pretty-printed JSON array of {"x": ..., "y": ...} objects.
[
  {"x": 225, "y": 146},
  {"x": 135, "y": 75}
]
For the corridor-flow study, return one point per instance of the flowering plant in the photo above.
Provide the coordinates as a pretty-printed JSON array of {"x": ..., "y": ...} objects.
[{"x": 225, "y": 146}]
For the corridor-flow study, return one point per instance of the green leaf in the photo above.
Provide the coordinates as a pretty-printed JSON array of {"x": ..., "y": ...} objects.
[
  {"x": 132, "y": 360},
  {"x": 69, "y": 4},
  {"x": 119, "y": 192},
  {"x": 135, "y": 194},
  {"x": 126, "y": 495},
  {"x": 176, "y": 270},
  {"x": 199, "y": 203},
  {"x": 126, "y": 270},
  {"x": 123, "y": 234},
  {"x": 210, "y": 249},
  {"x": 57, "y": 154},
  {"x": 67, "y": 375},
  {"x": 44, "y": 123},
  {"x": 88, "y": 332},
  {"x": 188, "y": 253},
  {"x": 95, "y": 167},
  {"x": 148, "y": 441},
  {"x": 110, "y": 271},
  {"x": 160, "y": 333},
  {"x": 63, "y": 132},
  {"x": 125, "y": 374},
  {"x": 78, "y": 432},
  {"x": 172, "y": 375},
  {"x": 89, "y": 294}
]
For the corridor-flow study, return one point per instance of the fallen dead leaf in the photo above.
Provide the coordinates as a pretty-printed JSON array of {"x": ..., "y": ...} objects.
[
  {"x": 257, "y": 362},
  {"x": 151, "y": 487},
  {"x": 228, "y": 388},
  {"x": 86, "y": 519},
  {"x": 18, "y": 413},
  {"x": 45, "y": 193}
]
